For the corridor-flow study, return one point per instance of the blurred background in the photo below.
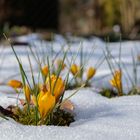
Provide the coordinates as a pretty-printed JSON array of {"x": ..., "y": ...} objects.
[{"x": 78, "y": 17}]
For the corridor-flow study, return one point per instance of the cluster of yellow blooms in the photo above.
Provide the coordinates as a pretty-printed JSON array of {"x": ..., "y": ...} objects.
[
  {"x": 48, "y": 95},
  {"x": 75, "y": 70},
  {"x": 49, "y": 92}
]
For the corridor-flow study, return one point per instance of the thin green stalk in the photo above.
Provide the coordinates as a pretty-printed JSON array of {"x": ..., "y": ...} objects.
[
  {"x": 123, "y": 65},
  {"x": 81, "y": 63},
  {"x": 59, "y": 71},
  {"x": 134, "y": 68},
  {"x": 36, "y": 107},
  {"x": 120, "y": 54},
  {"x": 23, "y": 74},
  {"x": 2, "y": 116},
  {"x": 32, "y": 74},
  {"x": 49, "y": 75}
]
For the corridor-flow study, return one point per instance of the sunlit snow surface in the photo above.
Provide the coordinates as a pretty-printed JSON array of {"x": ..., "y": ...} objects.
[{"x": 97, "y": 118}]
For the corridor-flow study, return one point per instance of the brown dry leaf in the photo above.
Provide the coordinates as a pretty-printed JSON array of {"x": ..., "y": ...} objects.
[
  {"x": 67, "y": 105},
  {"x": 22, "y": 101}
]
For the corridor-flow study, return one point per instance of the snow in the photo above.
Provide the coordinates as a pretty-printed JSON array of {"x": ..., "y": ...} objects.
[{"x": 96, "y": 116}]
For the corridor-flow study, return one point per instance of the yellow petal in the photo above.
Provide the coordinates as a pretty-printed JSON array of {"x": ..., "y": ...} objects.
[
  {"x": 40, "y": 95},
  {"x": 116, "y": 80},
  {"x": 57, "y": 87},
  {"x": 27, "y": 93},
  {"x": 113, "y": 83},
  {"x": 46, "y": 103}
]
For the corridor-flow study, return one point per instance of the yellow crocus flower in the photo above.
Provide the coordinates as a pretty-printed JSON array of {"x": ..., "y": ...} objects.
[
  {"x": 45, "y": 70},
  {"x": 15, "y": 84},
  {"x": 74, "y": 69},
  {"x": 90, "y": 73},
  {"x": 116, "y": 81},
  {"x": 46, "y": 102},
  {"x": 27, "y": 93},
  {"x": 57, "y": 87}
]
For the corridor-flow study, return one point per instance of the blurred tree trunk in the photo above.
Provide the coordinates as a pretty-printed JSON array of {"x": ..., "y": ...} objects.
[
  {"x": 128, "y": 15},
  {"x": 97, "y": 16}
]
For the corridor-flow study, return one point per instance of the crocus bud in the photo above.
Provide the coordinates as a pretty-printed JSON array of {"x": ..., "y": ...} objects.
[
  {"x": 15, "y": 84},
  {"x": 45, "y": 70},
  {"x": 74, "y": 69},
  {"x": 90, "y": 73}
]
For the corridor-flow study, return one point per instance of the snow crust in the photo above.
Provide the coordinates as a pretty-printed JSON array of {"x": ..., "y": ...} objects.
[{"x": 96, "y": 118}]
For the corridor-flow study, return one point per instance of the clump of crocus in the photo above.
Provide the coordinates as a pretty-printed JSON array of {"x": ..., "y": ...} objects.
[
  {"x": 78, "y": 74},
  {"x": 43, "y": 100},
  {"x": 116, "y": 82},
  {"x": 44, "y": 104},
  {"x": 49, "y": 95}
]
